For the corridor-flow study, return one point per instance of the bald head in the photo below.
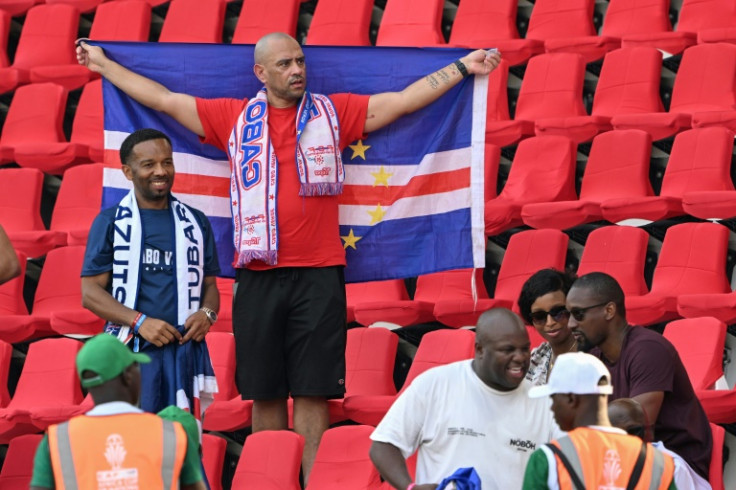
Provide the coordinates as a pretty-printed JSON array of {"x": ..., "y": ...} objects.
[
  {"x": 498, "y": 323},
  {"x": 628, "y": 414},
  {"x": 265, "y": 44}
]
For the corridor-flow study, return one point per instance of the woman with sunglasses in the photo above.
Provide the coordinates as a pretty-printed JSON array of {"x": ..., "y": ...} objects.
[{"x": 542, "y": 305}]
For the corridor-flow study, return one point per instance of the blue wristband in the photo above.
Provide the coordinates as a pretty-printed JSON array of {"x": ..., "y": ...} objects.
[{"x": 139, "y": 323}]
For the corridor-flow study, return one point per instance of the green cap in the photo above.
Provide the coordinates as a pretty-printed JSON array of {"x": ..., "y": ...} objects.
[
  {"x": 186, "y": 419},
  {"x": 107, "y": 357}
]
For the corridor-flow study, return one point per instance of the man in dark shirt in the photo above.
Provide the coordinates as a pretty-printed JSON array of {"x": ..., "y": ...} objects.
[{"x": 643, "y": 365}]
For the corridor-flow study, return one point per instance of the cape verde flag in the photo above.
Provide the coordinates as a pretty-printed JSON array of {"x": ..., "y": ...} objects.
[{"x": 413, "y": 195}]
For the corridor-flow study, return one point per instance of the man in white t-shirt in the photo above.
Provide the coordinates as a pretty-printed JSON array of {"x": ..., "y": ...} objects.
[{"x": 473, "y": 413}]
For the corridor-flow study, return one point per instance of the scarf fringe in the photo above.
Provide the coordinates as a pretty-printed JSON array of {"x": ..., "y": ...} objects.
[
  {"x": 322, "y": 189},
  {"x": 267, "y": 256}
]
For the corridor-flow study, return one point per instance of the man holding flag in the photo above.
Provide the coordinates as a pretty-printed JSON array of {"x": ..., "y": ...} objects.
[{"x": 284, "y": 149}]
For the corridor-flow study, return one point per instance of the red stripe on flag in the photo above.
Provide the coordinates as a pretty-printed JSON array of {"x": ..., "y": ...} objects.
[
  {"x": 419, "y": 185},
  {"x": 202, "y": 184}
]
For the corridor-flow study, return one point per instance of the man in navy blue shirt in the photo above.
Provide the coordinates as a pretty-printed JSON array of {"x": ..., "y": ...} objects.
[{"x": 150, "y": 269}]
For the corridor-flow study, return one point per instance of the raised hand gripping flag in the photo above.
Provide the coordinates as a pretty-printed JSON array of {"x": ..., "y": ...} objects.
[{"x": 413, "y": 195}]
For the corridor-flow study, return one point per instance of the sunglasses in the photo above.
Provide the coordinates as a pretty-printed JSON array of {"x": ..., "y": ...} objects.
[
  {"x": 579, "y": 313},
  {"x": 558, "y": 314}
]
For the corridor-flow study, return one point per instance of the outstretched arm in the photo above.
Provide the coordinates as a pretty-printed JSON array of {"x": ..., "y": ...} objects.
[
  {"x": 181, "y": 107},
  {"x": 9, "y": 265},
  {"x": 386, "y": 107}
]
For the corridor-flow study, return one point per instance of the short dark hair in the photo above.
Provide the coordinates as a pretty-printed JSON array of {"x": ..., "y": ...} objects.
[
  {"x": 540, "y": 283},
  {"x": 604, "y": 288},
  {"x": 139, "y": 136}
]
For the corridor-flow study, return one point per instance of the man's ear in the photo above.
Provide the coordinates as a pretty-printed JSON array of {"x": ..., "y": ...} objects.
[
  {"x": 610, "y": 311},
  {"x": 127, "y": 171},
  {"x": 259, "y": 70}
]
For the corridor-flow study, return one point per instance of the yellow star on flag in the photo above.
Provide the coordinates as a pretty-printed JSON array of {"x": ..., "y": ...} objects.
[
  {"x": 350, "y": 240},
  {"x": 377, "y": 214},
  {"x": 359, "y": 150},
  {"x": 381, "y": 177}
]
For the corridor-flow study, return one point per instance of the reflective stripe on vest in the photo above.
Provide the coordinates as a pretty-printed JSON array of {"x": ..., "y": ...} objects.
[
  {"x": 608, "y": 459},
  {"x": 167, "y": 465},
  {"x": 65, "y": 456}
]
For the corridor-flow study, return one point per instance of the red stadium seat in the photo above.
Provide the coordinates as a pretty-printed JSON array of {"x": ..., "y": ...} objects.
[
  {"x": 527, "y": 252},
  {"x": 4, "y": 35},
  {"x": 128, "y": 20},
  {"x": 225, "y": 316},
  {"x": 341, "y": 23},
  {"x": 193, "y": 21},
  {"x": 59, "y": 296},
  {"x": 619, "y": 251},
  {"x": 270, "y": 460},
  {"x": 700, "y": 162},
  {"x": 551, "y": 92},
  {"x": 83, "y": 6},
  {"x": 48, "y": 380},
  {"x": 501, "y": 130},
  {"x": 483, "y": 24},
  {"x": 33, "y": 130},
  {"x": 228, "y": 412},
  {"x": 384, "y": 301},
  {"x": 436, "y": 348},
  {"x": 43, "y": 53},
  {"x": 700, "y": 343},
  {"x": 617, "y": 168},
  {"x": 87, "y": 128},
  {"x": 567, "y": 26},
  {"x": 213, "y": 459},
  {"x": 78, "y": 202},
  {"x": 342, "y": 460},
  {"x": 713, "y": 19},
  {"x": 692, "y": 260},
  {"x": 411, "y": 23},
  {"x": 18, "y": 7},
  {"x": 6, "y": 353},
  {"x": 20, "y": 211},
  {"x": 18, "y": 465},
  {"x": 628, "y": 84},
  {"x": 646, "y": 23},
  {"x": 543, "y": 170},
  {"x": 703, "y": 90},
  {"x": 261, "y": 17}
]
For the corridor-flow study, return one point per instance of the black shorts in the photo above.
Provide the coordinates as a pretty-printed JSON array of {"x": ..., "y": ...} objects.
[{"x": 290, "y": 332}]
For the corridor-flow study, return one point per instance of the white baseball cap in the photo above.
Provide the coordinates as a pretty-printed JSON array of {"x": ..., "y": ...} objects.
[{"x": 578, "y": 373}]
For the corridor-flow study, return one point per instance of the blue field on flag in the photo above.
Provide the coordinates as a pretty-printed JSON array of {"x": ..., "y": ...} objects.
[{"x": 413, "y": 198}]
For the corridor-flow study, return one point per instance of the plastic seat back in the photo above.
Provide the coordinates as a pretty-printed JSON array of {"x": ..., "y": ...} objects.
[
  {"x": 47, "y": 33},
  {"x": 619, "y": 251},
  {"x": 342, "y": 460},
  {"x": 700, "y": 343},
  {"x": 18, "y": 465},
  {"x": 411, "y": 23},
  {"x": 479, "y": 20},
  {"x": 341, "y": 23},
  {"x": 706, "y": 79},
  {"x": 193, "y": 21},
  {"x": 448, "y": 285},
  {"x": 60, "y": 285},
  {"x": 370, "y": 354},
  {"x": 11, "y": 293},
  {"x": 213, "y": 459},
  {"x": 261, "y": 17},
  {"x": 270, "y": 461},
  {"x": 626, "y": 17},
  {"x": 128, "y": 20},
  {"x": 222, "y": 353},
  {"x": 552, "y": 87},
  {"x": 20, "y": 198},
  {"x": 561, "y": 18},
  {"x": 79, "y": 199}
]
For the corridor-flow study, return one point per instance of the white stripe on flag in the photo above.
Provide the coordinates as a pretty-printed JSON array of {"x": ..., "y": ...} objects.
[
  {"x": 443, "y": 161},
  {"x": 209, "y": 205},
  {"x": 477, "y": 176},
  {"x": 186, "y": 163},
  {"x": 408, "y": 207}
]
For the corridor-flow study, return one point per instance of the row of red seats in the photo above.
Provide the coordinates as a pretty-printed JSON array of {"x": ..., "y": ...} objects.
[
  {"x": 41, "y": 399},
  {"x": 550, "y": 102},
  {"x": 554, "y": 26},
  {"x": 540, "y": 190}
]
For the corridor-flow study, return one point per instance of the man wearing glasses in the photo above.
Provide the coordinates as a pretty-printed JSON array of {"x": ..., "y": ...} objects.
[{"x": 643, "y": 365}]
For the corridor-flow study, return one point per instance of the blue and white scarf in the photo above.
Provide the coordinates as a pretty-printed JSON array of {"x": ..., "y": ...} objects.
[
  {"x": 188, "y": 280},
  {"x": 254, "y": 170}
]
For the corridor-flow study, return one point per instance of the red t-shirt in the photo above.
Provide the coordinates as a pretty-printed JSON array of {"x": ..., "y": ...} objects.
[{"x": 308, "y": 227}]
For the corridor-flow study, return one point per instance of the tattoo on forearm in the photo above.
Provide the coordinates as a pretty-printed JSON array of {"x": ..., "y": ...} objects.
[
  {"x": 443, "y": 76},
  {"x": 432, "y": 81}
]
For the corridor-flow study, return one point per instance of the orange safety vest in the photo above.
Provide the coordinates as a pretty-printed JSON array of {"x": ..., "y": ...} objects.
[
  {"x": 605, "y": 461},
  {"x": 126, "y": 451}
]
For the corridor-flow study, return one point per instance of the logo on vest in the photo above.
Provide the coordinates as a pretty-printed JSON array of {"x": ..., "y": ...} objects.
[
  {"x": 611, "y": 470},
  {"x": 522, "y": 445},
  {"x": 118, "y": 478}
]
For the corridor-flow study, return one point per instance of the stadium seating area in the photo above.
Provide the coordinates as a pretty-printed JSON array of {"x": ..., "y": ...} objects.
[{"x": 610, "y": 147}]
